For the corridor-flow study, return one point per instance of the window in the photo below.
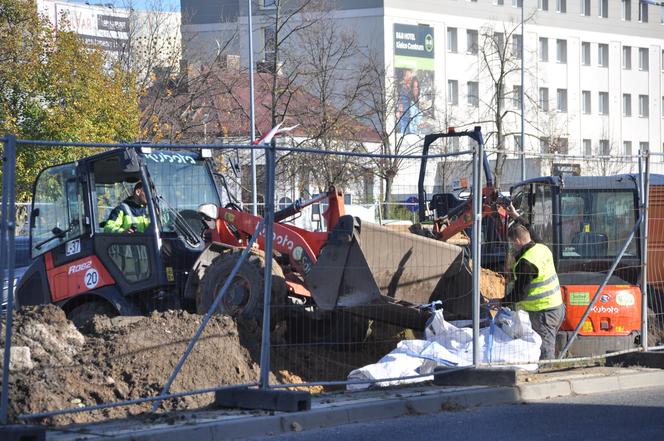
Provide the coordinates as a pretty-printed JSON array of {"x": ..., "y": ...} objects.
[
  {"x": 59, "y": 201},
  {"x": 643, "y": 12},
  {"x": 644, "y": 146},
  {"x": 499, "y": 41},
  {"x": 604, "y": 8},
  {"x": 604, "y": 147},
  {"x": 604, "y": 103},
  {"x": 587, "y": 147},
  {"x": 517, "y": 45},
  {"x": 585, "y": 8},
  {"x": 583, "y": 208},
  {"x": 585, "y": 53},
  {"x": 561, "y": 101},
  {"x": 561, "y": 6},
  {"x": 451, "y": 39},
  {"x": 471, "y": 41},
  {"x": 473, "y": 94},
  {"x": 544, "y": 49},
  {"x": 603, "y": 55},
  {"x": 517, "y": 143},
  {"x": 516, "y": 97},
  {"x": 585, "y": 102},
  {"x": 499, "y": 2},
  {"x": 544, "y": 145},
  {"x": 643, "y": 58},
  {"x": 627, "y": 57},
  {"x": 626, "y": 10},
  {"x": 561, "y": 145},
  {"x": 627, "y": 104},
  {"x": 270, "y": 39},
  {"x": 627, "y": 148},
  {"x": 643, "y": 106},
  {"x": 269, "y": 4},
  {"x": 453, "y": 92},
  {"x": 544, "y": 98},
  {"x": 561, "y": 51},
  {"x": 517, "y": 3},
  {"x": 543, "y": 5}
]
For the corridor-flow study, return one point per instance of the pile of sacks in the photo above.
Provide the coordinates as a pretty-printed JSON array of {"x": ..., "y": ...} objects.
[{"x": 506, "y": 338}]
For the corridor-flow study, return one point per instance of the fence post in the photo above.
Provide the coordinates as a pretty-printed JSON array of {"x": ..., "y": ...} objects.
[
  {"x": 267, "y": 293},
  {"x": 476, "y": 240},
  {"x": 644, "y": 180},
  {"x": 7, "y": 259}
]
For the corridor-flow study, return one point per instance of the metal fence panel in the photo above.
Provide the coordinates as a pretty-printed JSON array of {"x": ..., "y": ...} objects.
[{"x": 366, "y": 293}]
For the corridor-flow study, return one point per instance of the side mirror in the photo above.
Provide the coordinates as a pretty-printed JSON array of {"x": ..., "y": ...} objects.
[
  {"x": 33, "y": 217},
  {"x": 129, "y": 162},
  {"x": 209, "y": 211}
]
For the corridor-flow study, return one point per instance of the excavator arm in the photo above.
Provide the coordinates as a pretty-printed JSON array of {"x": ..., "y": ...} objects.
[{"x": 460, "y": 217}]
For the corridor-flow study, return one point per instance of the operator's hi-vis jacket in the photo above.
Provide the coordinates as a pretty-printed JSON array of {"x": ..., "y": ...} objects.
[
  {"x": 126, "y": 215},
  {"x": 544, "y": 290}
]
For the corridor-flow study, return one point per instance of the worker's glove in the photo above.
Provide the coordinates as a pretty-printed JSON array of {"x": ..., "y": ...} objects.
[{"x": 132, "y": 229}]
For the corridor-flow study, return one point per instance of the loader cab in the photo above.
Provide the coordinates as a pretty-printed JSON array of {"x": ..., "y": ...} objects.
[
  {"x": 77, "y": 257},
  {"x": 584, "y": 219}
]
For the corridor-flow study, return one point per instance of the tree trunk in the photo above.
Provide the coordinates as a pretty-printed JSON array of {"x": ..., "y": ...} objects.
[{"x": 388, "y": 193}]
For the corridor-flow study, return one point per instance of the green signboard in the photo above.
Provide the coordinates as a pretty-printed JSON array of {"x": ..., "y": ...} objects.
[{"x": 414, "y": 71}]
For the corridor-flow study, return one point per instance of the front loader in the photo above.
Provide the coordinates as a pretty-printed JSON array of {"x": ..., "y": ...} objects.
[{"x": 193, "y": 241}]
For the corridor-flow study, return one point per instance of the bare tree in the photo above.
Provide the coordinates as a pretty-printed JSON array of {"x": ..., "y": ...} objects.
[
  {"x": 384, "y": 110},
  {"x": 500, "y": 51},
  {"x": 608, "y": 158}
]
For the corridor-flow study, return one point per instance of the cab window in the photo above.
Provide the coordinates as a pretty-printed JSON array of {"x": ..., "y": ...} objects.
[{"x": 57, "y": 208}]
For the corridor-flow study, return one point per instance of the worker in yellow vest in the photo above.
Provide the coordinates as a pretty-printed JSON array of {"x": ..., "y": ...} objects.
[{"x": 536, "y": 288}]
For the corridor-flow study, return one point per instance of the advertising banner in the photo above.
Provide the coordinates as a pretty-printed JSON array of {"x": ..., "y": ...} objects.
[{"x": 414, "y": 72}]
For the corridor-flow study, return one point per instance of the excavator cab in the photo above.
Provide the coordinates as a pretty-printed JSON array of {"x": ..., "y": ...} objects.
[{"x": 586, "y": 220}]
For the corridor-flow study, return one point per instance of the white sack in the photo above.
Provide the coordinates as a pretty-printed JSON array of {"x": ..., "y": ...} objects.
[{"x": 508, "y": 339}]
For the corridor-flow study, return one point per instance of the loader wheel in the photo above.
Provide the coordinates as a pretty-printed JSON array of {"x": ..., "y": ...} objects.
[
  {"x": 81, "y": 315},
  {"x": 244, "y": 297}
]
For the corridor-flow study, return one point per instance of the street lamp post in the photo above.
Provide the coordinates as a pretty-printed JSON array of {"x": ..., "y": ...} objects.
[
  {"x": 254, "y": 200},
  {"x": 523, "y": 101}
]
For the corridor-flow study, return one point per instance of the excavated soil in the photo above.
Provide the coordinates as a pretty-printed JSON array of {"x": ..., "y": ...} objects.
[
  {"x": 492, "y": 284},
  {"x": 127, "y": 358}
]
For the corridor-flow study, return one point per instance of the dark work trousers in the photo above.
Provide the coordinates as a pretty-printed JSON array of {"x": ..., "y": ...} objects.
[{"x": 546, "y": 323}]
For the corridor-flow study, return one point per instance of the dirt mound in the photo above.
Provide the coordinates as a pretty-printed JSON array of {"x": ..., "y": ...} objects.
[
  {"x": 492, "y": 284},
  {"x": 131, "y": 357}
]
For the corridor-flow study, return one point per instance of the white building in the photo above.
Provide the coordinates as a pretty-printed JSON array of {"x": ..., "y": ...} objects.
[
  {"x": 103, "y": 25},
  {"x": 594, "y": 69},
  {"x": 149, "y": 40}
]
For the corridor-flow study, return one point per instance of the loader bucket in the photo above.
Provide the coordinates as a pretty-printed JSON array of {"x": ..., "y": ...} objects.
[{"x": 365, "y": 264}]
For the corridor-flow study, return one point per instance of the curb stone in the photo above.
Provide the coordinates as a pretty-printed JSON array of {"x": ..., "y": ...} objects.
[{"x": 350, "y": 411}]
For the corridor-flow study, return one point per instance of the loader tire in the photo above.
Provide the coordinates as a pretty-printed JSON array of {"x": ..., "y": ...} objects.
[{"x": 244, "y": 297}]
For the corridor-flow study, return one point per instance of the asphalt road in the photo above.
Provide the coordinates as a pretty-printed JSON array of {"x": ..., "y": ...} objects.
[{"x": 619, "y": 416}]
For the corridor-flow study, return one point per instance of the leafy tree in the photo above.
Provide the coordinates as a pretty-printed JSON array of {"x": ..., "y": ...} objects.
[{"x": 54, "y": 87}]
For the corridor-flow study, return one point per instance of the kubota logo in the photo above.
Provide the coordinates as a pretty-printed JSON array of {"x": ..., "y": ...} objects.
[
  {"x": 282, "y": 240},
  {"x": 80, "y": 267}
]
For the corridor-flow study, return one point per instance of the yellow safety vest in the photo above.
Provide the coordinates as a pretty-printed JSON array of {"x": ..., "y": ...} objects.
[{"x": 544, "y": 290}]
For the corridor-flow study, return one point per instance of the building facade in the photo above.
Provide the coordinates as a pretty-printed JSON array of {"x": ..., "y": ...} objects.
[
  {"x": 593, "y": 69},
  {"x": 148, "y": 40}
]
